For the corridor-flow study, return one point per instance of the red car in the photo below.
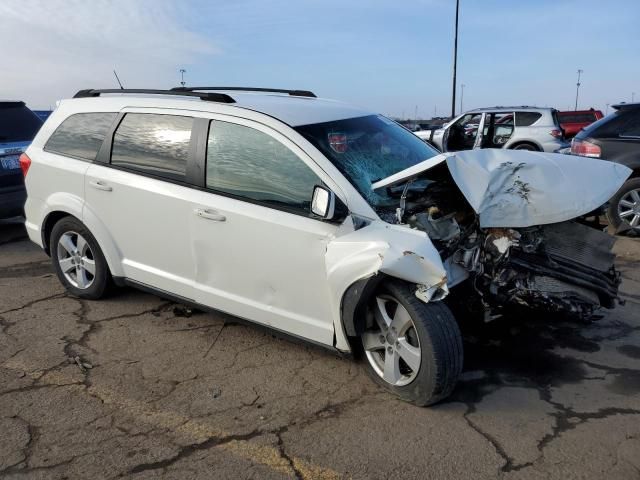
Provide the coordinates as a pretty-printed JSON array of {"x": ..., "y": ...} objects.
[{"x": 575, "y": 120}]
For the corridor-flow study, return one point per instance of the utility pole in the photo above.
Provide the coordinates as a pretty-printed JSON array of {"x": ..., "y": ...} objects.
[
  {"x": 182, "y": 72},
  {"x": 462, "y": 85},
  {"x": 606, "y": 111},
  {"x": 455, "y": 62},
  {"x": 578, "y": 88}
]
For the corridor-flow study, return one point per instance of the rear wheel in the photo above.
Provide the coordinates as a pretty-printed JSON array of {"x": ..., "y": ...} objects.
[
  {"x": 526, "y": 146},
  {"x": 78, "y": 260},
  {"x": 412, "y": 349}
]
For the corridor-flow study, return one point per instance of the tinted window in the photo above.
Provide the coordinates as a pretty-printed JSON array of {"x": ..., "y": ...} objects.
[
  {"x": 153, "y": 144},
  {"x": 81, "y": 135},
  {"x": 247, "y": 163},
  {"x": 632, "y": 127},
  {"x": 613, "y": 125},
  {"x": 17, "y": 122},
  {"x": 526, "y": 119}
]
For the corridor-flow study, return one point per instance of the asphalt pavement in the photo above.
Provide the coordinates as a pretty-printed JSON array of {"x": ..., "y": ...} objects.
[{"x": 135, "y": 386}]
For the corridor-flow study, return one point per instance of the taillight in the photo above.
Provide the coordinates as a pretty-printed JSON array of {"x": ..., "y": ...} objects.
[
  {"x": 556, "y": 133},
  {"x": 25, "y": 163},
  {"x": 585, "y": 149}
]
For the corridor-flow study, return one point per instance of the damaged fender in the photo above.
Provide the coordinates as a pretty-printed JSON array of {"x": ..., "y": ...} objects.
[{"x": 379, "y": 247}]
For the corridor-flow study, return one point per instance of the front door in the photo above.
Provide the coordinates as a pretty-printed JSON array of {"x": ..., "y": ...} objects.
[
  {"x": 463, "y": 133},
  {"x": 258, "y": 252}
]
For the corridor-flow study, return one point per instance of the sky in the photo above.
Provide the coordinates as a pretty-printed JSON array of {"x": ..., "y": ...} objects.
[{"x": 389, "y": 56}]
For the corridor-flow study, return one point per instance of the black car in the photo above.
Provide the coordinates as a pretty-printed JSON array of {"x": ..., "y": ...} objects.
[
  {"x": 18, "y": 126},
  {"x": 616, "y": 137}
]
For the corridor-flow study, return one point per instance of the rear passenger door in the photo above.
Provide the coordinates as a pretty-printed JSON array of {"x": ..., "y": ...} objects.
[
  {"x": 138, "y": 191},
  {"x": 259, "y": 252}
]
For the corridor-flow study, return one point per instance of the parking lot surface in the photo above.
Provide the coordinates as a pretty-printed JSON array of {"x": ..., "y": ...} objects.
[{"x": 133, "y": 386}]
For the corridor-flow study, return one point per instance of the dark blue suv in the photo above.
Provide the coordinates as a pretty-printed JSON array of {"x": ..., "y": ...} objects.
[{"x": 18, "y": 126}]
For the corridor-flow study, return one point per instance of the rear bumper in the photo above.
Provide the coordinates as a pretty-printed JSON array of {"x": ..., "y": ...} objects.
[{"x": 12, "y": 201}]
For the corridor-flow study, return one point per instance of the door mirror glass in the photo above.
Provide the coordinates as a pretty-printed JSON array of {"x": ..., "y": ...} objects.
[{"x": 323, "y": 202}]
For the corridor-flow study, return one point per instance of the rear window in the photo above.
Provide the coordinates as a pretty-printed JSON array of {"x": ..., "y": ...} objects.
[
  {"x": 81, "y": 135},
  {"x": 17, "y": 122},
  {"x": 620, "y": 123},
  {"x": 526, "y": 119},
  {"x": 154, "y": 144},
  {"x": 577, "y": 117}
]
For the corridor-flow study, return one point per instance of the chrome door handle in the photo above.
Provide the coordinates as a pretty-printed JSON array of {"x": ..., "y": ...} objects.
[
  {"x": 100, "y": 185},
  {"x": 210, "y": 215}
]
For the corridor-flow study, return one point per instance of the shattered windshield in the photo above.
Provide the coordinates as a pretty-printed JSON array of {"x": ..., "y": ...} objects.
[{"x": 368, "y": 149}]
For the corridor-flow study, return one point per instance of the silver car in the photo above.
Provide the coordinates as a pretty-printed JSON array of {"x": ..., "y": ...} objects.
[{"x": 518, "y": 128}]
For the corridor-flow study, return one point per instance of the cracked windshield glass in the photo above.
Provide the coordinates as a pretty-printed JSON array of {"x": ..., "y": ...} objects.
[{"x": 368, "y": 149}]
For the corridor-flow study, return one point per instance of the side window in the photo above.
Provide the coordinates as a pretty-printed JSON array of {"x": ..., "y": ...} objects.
[
  {"x": 153, "y": 144},
  {"x": 632, "y": 127},
  {"x": 80, "y": 135},
  {"x": 247, "y": 163},
  {"x": 526, "y": 119}
]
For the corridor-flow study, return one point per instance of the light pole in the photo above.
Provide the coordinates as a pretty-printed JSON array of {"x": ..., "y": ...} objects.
[
  {"x": 462, "y": 85},
  {"x": 455, "y": 62},
  {"x": 606, "y": 110},
  {"x": 633, "y": 97},
  {"x": 182, "y": 72},
  {"x": 578, "y": 88}
]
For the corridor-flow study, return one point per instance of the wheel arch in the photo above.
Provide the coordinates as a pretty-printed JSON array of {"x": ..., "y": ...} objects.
[
  {"x": 94, "y": 225},
  {"x": 533, "y": 143}
]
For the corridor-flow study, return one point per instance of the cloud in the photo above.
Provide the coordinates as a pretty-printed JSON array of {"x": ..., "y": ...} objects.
[{"x": 53, "y": 48}]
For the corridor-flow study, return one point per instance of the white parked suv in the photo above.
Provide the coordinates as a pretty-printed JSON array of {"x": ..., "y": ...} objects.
[{"x": 315, "y": 218}]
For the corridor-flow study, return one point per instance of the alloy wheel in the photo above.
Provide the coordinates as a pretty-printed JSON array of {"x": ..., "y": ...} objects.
[
  {"x": 392, "y": 346},
  {"x": 76, "y": 260},
  {"x": 629, "y": 208}
]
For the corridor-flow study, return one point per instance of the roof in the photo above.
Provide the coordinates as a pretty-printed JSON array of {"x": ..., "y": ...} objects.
[
  {"x": 298, "y": 110},
  {"x": 290, "y": 109},
  {"x": 626, "y": 106},
  {"x": 510, "y": 108}
]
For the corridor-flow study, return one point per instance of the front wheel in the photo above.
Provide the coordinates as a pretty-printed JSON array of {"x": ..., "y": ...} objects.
[
  {"x": 624, "y": 207},
  {"x": 412, "y": 349}
]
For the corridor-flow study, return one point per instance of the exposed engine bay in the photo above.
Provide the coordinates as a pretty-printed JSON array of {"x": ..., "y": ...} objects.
[{"x": 565, "y": 267}]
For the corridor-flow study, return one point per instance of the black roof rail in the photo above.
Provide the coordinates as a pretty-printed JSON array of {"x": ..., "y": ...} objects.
[
  {"x": 211, "y": 97},
  {"x": 295, "y": 93}
]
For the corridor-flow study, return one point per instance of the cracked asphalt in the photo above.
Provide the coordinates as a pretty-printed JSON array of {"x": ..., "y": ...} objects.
[{"x": 131, "y": 387}]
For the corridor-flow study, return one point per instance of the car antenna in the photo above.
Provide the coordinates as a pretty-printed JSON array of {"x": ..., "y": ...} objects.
[{"x": 119, "y": 83}]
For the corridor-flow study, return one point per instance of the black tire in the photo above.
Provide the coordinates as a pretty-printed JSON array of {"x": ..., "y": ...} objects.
[
  {"x": 440, "y": 344},
  {"x": 101, "y": 282},
  {"x": 613, "y": 211},
  {"x": 526, "y": 146}
]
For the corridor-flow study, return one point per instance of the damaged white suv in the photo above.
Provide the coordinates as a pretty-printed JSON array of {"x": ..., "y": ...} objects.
[{"x": 315, "y": 218}]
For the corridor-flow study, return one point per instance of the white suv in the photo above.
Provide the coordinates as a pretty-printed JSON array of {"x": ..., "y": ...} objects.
[{"x": 315, "y": 218}]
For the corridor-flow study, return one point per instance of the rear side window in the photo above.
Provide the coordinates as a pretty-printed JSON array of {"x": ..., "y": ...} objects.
[
  {"x": 153, "y": 144},
  {"x": 17, "y": 122},
  {"x": 250, "y": 164},
  {"x": 632, "y": 127},
  {"x": 81, "y": 135},
  {"x": 526, "y": 119}
]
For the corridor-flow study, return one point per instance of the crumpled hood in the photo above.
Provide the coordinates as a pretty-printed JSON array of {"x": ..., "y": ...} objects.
[{"x": 518, "y": 188}]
